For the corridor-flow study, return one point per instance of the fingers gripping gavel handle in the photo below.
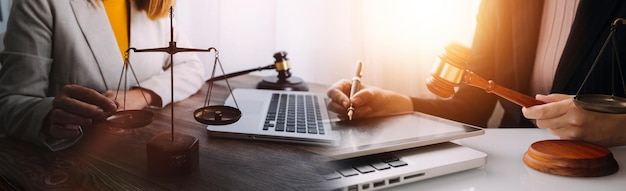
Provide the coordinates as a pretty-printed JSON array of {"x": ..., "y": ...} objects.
[{"x": 491, "y": 87}]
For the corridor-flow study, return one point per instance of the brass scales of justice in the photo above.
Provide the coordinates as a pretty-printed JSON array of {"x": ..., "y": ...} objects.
[
  {"x": 172, "y": 153},
  {"x": 548, "y": 156}
]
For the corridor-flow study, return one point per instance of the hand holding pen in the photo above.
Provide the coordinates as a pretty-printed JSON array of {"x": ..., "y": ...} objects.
[
  {"x": 351, "y": 96},
  {"x": 356, "y": 82}
]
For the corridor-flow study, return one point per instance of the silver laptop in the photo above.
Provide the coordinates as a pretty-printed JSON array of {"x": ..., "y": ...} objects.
[
  {"x": 365, "y": 154},
  {"x": 287, "y": 116}
]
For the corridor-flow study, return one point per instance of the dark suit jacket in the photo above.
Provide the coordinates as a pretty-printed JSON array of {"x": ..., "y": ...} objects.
[{"x": 504, "y": 50}]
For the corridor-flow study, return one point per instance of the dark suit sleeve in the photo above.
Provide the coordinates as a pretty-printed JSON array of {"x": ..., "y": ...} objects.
[
  {"x": 503, "y": 47},
  {"x": 590, "y": 29}
]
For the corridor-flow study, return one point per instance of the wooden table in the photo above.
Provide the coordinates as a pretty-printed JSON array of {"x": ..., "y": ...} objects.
[{"x": 106, "y": 159}]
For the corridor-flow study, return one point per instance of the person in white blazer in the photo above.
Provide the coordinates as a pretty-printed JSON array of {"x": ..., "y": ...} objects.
[{"x": 61, "y": 66}]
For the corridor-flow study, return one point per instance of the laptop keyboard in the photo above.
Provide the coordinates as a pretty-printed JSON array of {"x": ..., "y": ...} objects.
[
  {"x": 351, "y": 169},
  {"x": 363, "y": 165},
  {"x": 294, "y": 113}
]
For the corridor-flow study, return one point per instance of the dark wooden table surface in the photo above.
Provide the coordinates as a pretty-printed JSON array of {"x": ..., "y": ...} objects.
[{"x": 108, "y": 159}]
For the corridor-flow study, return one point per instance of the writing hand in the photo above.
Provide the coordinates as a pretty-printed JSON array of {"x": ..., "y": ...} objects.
[
  {"x": 76, "y": 106},
  {"x": 369, "y": 101},
  {"x": 563, "y": 118}
]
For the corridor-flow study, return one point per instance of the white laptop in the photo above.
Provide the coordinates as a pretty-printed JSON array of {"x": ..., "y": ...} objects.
[
  {"x": 384, "y": 170},
  {"x": 418, "y": 141}
]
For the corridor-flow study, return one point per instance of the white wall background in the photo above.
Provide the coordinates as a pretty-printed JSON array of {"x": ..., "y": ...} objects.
[{"x": 398, "y": 40}]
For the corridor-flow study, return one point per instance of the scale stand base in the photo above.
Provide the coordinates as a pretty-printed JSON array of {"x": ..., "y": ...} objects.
[
  {"x": 289, "y": 84},
  {"x": 177, "y": 157}
]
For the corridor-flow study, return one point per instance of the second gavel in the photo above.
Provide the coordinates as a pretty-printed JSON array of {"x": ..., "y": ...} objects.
[{"x": 451, "y": 69}]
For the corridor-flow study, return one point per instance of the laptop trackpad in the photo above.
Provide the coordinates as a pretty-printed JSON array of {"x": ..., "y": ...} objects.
[{"x": 250, "y": 107}]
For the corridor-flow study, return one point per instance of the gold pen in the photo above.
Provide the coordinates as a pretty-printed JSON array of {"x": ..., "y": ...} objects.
[{"x": 356, "y": 81}]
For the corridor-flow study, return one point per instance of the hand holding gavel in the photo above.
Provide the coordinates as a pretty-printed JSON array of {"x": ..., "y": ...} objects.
[{"x": 451, "y": 69}]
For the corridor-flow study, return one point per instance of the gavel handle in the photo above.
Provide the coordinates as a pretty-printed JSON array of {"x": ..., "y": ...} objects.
[
  {"x": 235, "y": 74},
  {"x": 491, "y": 87}
]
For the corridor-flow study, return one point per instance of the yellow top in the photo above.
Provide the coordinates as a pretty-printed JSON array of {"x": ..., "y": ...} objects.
[{"x": 117, "y": 11}]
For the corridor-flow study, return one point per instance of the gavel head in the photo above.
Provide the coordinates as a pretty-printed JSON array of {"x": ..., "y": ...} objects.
[
  {"x": 282, "y": 65},
  {"x": 448, "y": 71}
]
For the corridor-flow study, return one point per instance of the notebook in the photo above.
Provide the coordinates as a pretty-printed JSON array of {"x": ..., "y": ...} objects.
[{"x": 333, "y": 138}]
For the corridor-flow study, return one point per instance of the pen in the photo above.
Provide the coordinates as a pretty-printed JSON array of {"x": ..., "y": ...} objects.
[{"x": 356, "y": 81}]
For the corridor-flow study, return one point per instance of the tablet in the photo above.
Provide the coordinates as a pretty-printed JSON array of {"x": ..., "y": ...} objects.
[{"x": 391, "y": 133}]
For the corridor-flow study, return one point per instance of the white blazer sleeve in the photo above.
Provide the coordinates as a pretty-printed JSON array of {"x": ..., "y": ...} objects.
[{"x": 188, "y": 73}]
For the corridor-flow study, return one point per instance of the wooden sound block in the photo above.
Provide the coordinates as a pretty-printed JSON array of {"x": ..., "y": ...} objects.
[{"x": 570, "y": 158}]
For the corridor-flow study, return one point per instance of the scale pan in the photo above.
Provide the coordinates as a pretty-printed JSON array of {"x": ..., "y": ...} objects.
[
  {"x": 601, "y": 103},
  {"x": 217, "y": 115},
  {"x": 129, "y": 119}
]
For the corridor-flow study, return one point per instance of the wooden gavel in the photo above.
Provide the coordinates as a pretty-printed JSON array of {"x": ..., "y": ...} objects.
[
  {"x": 451, "y": 69},
  {"x": 549, "y": 156}
]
